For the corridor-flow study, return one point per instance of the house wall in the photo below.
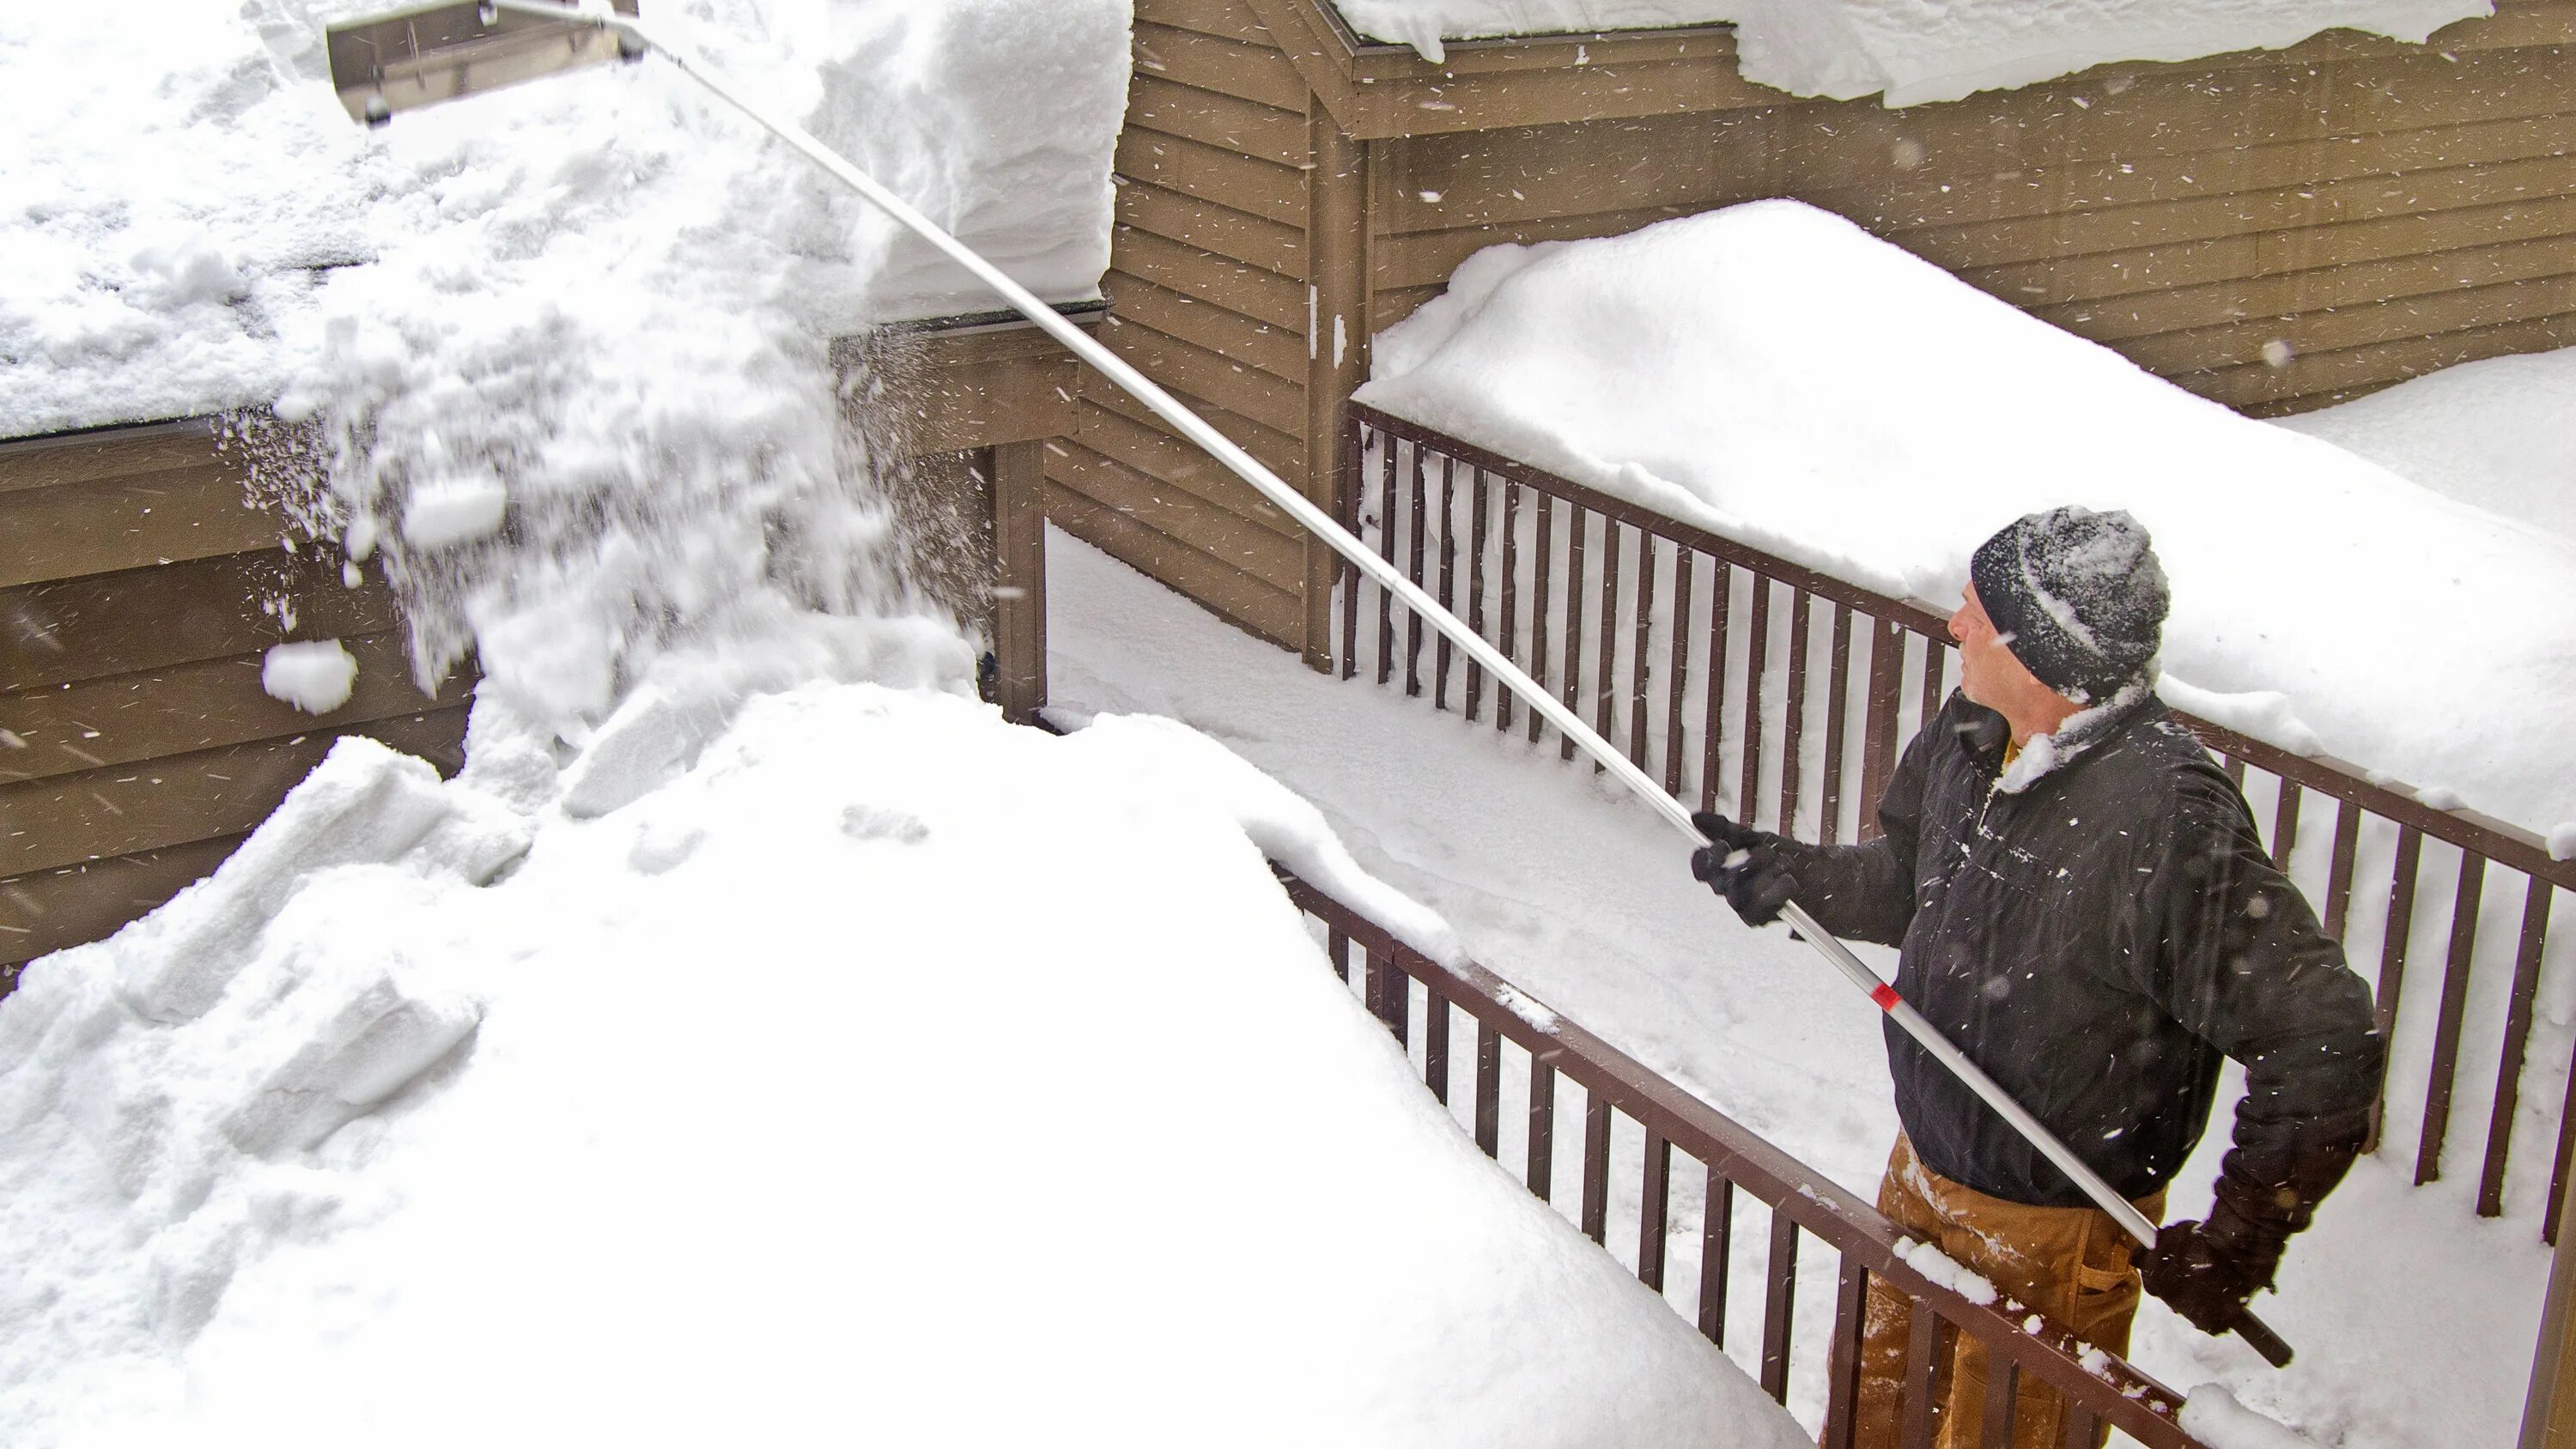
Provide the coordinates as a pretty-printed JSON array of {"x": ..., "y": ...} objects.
[
  {"x": 1208, "y": 290},
  {"x": 2379, "y": 210},
  {"x": 138, "y": 595}
]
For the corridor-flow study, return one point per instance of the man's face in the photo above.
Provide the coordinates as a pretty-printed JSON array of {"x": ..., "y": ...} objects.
[{"x": 1988, "y": 672}]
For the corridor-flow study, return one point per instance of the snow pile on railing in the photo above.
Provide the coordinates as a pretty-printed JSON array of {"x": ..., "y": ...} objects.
[
  {"x": 872, "y": 1070},
  {"x": 1776, "y": 375},
  {"x": 184, "y": 194},
  {"x": 1920, "y": 50}
]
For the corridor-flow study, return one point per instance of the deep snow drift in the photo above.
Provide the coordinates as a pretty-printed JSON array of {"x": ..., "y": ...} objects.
[
  {"x": 883, "y": 1072},
  {"x": 2498, "y": 433},
  {"x": 1777, "y": 375},
  {"x": 1920, "y": 50},
  {"x": 183, "y": 200}
]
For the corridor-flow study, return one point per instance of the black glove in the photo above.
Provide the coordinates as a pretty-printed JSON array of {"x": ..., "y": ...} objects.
[
  {"x": 1745, "y": 865},
  {"x": 2207, "y": 1270}
]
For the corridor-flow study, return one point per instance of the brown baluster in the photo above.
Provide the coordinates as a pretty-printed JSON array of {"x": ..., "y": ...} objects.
[
  {"x": 2235, "y": 770},
  {"x": 1482, "y": 503},
  {"x": 2347, "y": 845},
  {"x": 1652, "y": 1205},
  {"x": 1448, "y": 568},
  {"x": 1918, "y": 1398},
  {"x": 2392, "y": 954},
  {"x": 1489, "y": 1089},
  {"x": 1779, "y": 1303},
  {"x": 1837, "y": 709},
  {"x": 1607, "y": 670},
  {"x": 1935, "y": 655},
  {"x": 1542, "y": 1128},
  {"x": 1435, "y": 1044},
  {"x": 1538, "y": 613},
  {"x": 2517, "y": 1038},
  {"x": 1640, "y": 670},
  {"x": 1503, "y": 701},
  {"x": 1420, "y": 514},
  {"x": 2003, "y": 1389},
  {"x": 2446, "y": 1026},
  {"x": 1352, "y": 486},
  {"x": 1721, "y": 599},
  {"x": 2285, "y": 825},
  {"x": 2566, "y": 1156},
  {"x": 1685, "y": 563},
  {"x": 1337, "y": 947},
  {"x": 2082, "y": 1426},
  {"x": 1386, "y": 551},
  {"x": 1596, "y": 1165},
  {"x": 1801, "y": 604},
  {"x": 1716, "y": 1239},
  {"x": 1757, "y": 647},
  {"x": 1578, "y": 526},
  {"x": 1842, "y": 1356},
  {"x": 1878, "y": 730}
]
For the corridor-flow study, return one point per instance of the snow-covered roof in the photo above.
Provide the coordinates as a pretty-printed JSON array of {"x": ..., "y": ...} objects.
[
  {"x": 1777, "y": 375},
  {"x": 182, "y": 195},
  {"x": 1912, "y": 51}
]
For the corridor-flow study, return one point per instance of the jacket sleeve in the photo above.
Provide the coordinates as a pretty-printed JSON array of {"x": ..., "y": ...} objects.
[
  {"x": 2240, "y": 962},
  {"x": 1866, "y": 892}
]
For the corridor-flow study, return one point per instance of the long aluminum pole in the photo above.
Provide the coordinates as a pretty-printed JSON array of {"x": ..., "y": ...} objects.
[{"x": 1323, "y": 525}]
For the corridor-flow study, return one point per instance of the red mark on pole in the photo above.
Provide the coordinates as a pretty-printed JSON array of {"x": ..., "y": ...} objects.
[{"x": 1885, "y": 995}]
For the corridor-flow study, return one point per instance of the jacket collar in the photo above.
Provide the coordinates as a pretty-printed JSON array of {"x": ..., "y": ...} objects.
[{"x": 2044, "y": 755}]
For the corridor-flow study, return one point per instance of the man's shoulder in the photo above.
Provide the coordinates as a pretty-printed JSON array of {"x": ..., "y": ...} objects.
[{"x": 2161, "y": 768}]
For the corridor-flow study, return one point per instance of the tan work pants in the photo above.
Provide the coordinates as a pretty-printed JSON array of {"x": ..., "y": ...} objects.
[{"x": 2071, "y": 1264}]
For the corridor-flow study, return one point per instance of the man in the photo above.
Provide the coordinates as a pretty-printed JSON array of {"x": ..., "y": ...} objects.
[{"x": 2083, "y": 907}]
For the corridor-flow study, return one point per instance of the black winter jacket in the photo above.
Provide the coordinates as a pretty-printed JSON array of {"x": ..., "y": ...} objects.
[{"x": 2096, "y": 941}]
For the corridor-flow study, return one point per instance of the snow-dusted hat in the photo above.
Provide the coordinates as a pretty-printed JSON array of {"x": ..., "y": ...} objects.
[{"x": 2078, "y": 595}]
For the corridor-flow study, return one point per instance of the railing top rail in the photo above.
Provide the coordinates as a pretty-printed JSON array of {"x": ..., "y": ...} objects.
[
  {"x": 2498, "y": 840},
  {"x": 2129, "y": 1400}
]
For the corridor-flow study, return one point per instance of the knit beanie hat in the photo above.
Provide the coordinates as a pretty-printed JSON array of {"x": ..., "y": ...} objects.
[{"x": 2078, "y": 596}]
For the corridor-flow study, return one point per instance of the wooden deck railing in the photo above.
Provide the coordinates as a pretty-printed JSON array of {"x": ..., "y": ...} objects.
[
  {"x": 1708, "y": 1192},
  {"x": 1704, "y": 656}
]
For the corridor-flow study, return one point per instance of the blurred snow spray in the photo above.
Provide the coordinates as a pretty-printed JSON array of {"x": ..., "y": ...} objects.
[{"x": 441, "y": 52}]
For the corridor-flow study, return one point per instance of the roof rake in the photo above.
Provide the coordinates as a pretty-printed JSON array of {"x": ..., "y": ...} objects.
[{"x": 439, "y": 53}]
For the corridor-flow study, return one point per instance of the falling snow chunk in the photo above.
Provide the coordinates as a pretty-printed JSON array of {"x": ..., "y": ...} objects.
[
  {"x": 2562, "y": 840},
  {"x": 315, "y": 678},
  {"x": 456, "y": 510}
]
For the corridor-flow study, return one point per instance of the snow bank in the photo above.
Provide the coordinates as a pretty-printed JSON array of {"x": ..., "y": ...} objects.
[
  {"x": 1914, "y": 51},
  {"x": 183, "y": 194},
  {"x": 886, "y": 1071},
  {"x": 2493, "y": 433},
  {"x": 1778, "y": 376}
]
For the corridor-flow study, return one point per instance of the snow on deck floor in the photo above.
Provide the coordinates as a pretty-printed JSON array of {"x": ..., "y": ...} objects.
[{"x": 2413, "y": 1318}]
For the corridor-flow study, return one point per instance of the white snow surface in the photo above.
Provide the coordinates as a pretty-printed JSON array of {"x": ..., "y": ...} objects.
[
  {"x": 2496, "y": 433},
  {"x": 1778, "y": 376},
  {"x": 2212, "y": 1416},
  {"x": 1912, "y": 51},
  {"x": 315, "y": 676},
  {"x": 186, "y": 211},
  {"x": 446, "y": 1113}
]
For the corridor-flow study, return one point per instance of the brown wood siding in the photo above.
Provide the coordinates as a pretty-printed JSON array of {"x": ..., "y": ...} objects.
[
  {"x": 2372, "y": 206},
  {"x": 139, "y": 593},
  {"x": 1208, "y": 296}
]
